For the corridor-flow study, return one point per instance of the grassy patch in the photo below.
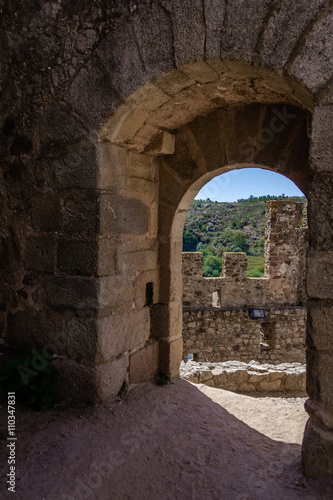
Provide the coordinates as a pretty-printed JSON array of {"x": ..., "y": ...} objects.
[{"x": 255, "y": 266}]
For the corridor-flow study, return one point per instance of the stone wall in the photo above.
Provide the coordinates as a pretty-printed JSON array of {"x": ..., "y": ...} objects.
[
  {"x": 90, "y": 91},
  {"x": 222, "y": 335},
  {"x": 216, "y": 323},
  {"x": 246, "y": 377}
]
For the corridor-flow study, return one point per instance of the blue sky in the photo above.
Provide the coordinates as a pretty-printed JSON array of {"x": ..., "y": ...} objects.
[{"x": 242, "y": 183}]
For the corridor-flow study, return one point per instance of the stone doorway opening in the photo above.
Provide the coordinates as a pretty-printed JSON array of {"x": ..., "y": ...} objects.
[{"x": 231, "y": 315}]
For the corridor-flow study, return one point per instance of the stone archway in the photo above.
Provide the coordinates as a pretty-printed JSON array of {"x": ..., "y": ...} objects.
[{"x": 87, "y": 220}]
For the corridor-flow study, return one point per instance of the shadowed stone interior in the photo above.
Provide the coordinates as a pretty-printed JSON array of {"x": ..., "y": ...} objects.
[{"x": 113, "y": 115}]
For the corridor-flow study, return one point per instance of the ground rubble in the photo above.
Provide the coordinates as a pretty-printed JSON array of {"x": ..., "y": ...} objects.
[{"x": 246, "y": 377}]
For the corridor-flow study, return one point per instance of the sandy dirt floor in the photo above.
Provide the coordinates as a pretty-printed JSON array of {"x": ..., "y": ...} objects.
[{"x": 179, "y": 441}]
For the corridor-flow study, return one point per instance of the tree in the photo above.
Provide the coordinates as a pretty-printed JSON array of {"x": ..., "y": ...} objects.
[
  {"x": 190, "y": 241},
  {"x": 239, "y": 239},
  {"x": 212, "y": 266}
]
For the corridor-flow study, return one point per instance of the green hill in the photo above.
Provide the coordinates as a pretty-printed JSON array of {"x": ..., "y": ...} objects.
[{"x": 212, "y": 227}]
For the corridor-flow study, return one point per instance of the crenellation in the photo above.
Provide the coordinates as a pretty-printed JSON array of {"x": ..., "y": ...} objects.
[{"x": 215, "y": 310}]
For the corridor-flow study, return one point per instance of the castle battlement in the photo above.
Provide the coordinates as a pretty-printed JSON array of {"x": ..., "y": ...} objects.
[{"x": 283, "y": 280}]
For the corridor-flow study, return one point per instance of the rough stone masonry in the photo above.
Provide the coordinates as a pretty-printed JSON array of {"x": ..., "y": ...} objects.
[
  {"x": 216, "y": 321},
  {"x": 113, "y": 115}
]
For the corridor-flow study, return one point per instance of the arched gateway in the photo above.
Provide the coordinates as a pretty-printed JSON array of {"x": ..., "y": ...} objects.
[{"x": 109, "y": 133}]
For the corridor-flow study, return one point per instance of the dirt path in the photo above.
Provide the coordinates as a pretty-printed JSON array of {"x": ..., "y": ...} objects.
[{"x": 179, "y": 441}]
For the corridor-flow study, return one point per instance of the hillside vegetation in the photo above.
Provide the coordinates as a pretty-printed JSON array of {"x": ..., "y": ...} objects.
[{"x": 212, "y": 228}]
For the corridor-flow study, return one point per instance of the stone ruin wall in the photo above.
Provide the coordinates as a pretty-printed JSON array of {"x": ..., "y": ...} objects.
[{"x": 216, "y": 323}]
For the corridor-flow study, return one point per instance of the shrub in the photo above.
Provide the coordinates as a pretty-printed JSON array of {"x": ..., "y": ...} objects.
[{"x": 29, "y": 375}]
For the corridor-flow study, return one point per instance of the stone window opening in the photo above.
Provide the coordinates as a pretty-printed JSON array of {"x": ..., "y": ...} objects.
[
  {"x": 149, "y": 294},
  {"x": 216, "y": 300},
  {"x": 267, "y": 336}
]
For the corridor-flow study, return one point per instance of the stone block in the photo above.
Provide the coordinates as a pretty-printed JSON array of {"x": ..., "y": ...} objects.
[
  {"x": 243, "y": 22},
  {"x": 91, "y": 383},
  {"x": 69, "y": 292},
  {"x": 10, "y": 248},
  {"x": 81, "y": 212},
  {"x": 120, "y": 51},
  {"x": 200, "y": 71},
  {"x": 173, "y": 82},
  {"x": 166, "y": 318},
  {"x": 270, "y": 385},
  {"x": 220, "y": 377},
  {"x": 320, "y": 332},
  {"x": 317, "y": 50},
  {"x": 112, "y": 161},
  {"x": 205, "y": 375},
  {"x": 44, "y": 329},
  {"x": 77, "y": 257},
  {"x": 141, "y": 166},
  {"x": 321, "y": 149},
  {"x": 115, "y": 292},
  {"x": 106, "y": 262},
  {"x": 188, "y": 30},
  {"x": 91, "y": 94},
  {"x": 170, "y": 356},
  {"x": 319, "y": 376},
  {"x": 110, "y": 378},
  {"x": 317, "y": 452},
  {"x": 162, "y": 144},
  {"x": 77, "y": 168},
  {"x": 143, "y": 364},
  {"x": 319, "y": 279},
  {"x": 284, "y": 27},
  {"x": 154, "y": 35},
  {"x": 82, "y": 339},
  {"x": 122, "y": 332},
  {"x": 214, "y": 18},
  {"x": 123, "y": 215},
  {"x": 46, "y": 215},
  {"x": 40, "y": 253}
]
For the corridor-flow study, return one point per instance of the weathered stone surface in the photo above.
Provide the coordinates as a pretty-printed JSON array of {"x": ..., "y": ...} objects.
[
  {"x": 77, "y": 257},
  {"x": 188, "y": 30},
  {"x": 46, "y": 214},
  {"x": 126, "y": 215},
  {"x": 318, "y": 49},
  {"x": 87, "y": 383},
  {"x": 122, "y": 332},
  {"x": 170, "y": 356},
  {"x": 44, "y": 329},
  {"x": 214, "y": 11},
  {"x": 82, "y": 339},
  {"x": 106, "y": 262},
  {"x": 320, "y": 327},
  {"x": 284, "y": 27},
  {"x": 317, "y": 452},
  {"x": 92, "y": 94},
  {"x": 174, "y": 81},
  {"x": 319, "y": 280},
  {"x": 321, "y": 149},
  {"x": 40, "y": 253},
  {"x": 110, "y": 378},
  {"x": 69, "y": 292},
  {"x": 143, "y": 364},
  {"x": 77, "y": 168},
  {"x": 114, "y": 292},
  {"x": 154, "y": 36},
  {"x": 120, "y": 53},
  {"x": 319, "y": 377},
  {"x": 240, "y": 33},
  {"x": 320, "y": 214},
  {"x": 80, "y": 212},
  {"x": 10, "y": 248},
  {"x": 243, "y": 377}
]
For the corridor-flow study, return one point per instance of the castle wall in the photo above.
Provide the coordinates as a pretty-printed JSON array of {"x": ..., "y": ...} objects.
[{"x": 216, "y": 323}]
